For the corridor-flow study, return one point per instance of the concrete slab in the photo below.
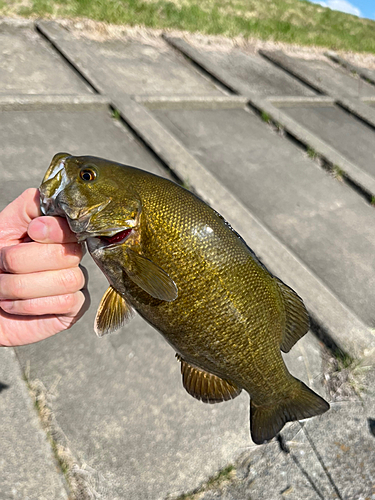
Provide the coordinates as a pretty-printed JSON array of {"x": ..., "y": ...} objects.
[
  {"x": 365, "y": 73},
  {"x": 350, "y": 99},
  {"x": 334, "y": 77},
  {"x": 135, "y": 68},
  {"x": 311, "y": 213},
  {"x": 29, "y": 65},
  {"x": 27, "y": 466},
  {"x": 347, "y": 134},
  {"x": 253, "y": 74}
]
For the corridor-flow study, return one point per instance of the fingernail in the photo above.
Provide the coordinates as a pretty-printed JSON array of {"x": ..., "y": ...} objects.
[{"x": 7, "y": 305}]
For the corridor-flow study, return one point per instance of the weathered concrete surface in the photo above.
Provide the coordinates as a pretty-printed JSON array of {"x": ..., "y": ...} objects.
[
  {"x": 327, "y": 460},
  {"x": 347, "y": 94},
  {"x": 327, "y": 77},
  {"x": 29, "y": 65},
  {"x": 253, "y": 74},
  {"x": 119, "y": 409},
  {"x": 365, "y": 73},
  {"x": 344, "y": 132},
  {"x": 28, "y": 469},
  {"x": 272, "y": 107}
]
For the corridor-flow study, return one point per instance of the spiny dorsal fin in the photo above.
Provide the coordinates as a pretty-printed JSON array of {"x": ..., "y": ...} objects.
[
  {"x": 205, "y": 386},
  {"x": 113, "y": 312},
  {"x": 297, "y": 319},
  {"x": 150, "y": 277}
]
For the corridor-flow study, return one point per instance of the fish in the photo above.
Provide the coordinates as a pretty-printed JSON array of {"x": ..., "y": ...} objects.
[{"x": 179, "y": 264}]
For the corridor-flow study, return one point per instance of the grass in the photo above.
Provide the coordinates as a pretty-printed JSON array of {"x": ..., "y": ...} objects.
[
  {"x": 225, "y": 475},
  {"x": 311, "y": 153},
  {"x": 290, "y": 21}
]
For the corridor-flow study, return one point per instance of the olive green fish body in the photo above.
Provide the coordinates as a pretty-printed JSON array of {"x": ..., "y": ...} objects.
[{"x": 181, "y": 266}]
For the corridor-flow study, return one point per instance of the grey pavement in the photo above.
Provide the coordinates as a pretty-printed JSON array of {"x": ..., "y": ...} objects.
[{"x": 115, "y": 422}]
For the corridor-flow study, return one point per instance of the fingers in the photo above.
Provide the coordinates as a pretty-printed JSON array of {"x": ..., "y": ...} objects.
[
  {"x": 67, "y": 304},
  {"x": 41, "y": 284},
  {"x": 23, "y": 328},
  {"x": 35, "y": 257},
  {"x": 51, "y": 230}
]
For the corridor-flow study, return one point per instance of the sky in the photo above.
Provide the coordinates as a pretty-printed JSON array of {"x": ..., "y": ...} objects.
[{"x": 361, "y": 8}]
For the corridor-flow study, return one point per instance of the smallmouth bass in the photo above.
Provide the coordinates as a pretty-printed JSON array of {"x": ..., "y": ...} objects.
[{"x": 179, "y": 264}]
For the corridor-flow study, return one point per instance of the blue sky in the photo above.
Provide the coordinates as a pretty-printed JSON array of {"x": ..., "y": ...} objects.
[{"x": 362, "y": 8}]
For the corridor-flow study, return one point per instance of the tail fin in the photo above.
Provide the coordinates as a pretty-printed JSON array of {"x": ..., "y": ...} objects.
[{"x": 267, "y": 421}]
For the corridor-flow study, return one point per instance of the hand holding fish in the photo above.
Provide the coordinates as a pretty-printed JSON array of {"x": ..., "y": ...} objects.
[{"x": 40, "y": 281}]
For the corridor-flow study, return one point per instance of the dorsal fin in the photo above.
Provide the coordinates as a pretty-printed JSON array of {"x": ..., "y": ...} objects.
[
  {"x": 205, "y": 386},
  {"x": 297, "y": 318},
  {"x": 113, "y": 312}
]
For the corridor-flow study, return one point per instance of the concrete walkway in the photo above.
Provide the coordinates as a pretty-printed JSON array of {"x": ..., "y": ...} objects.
[{"x": 112, "y": 420}]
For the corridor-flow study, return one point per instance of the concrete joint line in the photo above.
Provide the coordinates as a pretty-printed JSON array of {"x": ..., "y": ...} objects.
[
  {"x": 364, "y": 181},
  {"x": 354, "y": 106},
  {"x": 298, "y": 101},
  {"x": 30, "y": 102},
  {"x": 364, "y": 73},
  {"x": 56, "y": 36},
  {"x": 191, "y": 102}
]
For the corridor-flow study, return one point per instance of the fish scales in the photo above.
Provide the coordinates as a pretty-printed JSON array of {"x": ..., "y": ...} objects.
[{"x": 179, "y": 264}]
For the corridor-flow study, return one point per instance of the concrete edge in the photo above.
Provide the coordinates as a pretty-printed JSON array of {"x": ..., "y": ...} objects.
[
  {"x": 359, "y": 177},
  {"x": 362, "y": 72},
  {"x": 15, "y": 102},
  {"x": 35, "y": 418},
  {"x": 354, "y": 106},
  {"x": 362, "y": 179},
  {"x": 281, "y": 101},
  {"x": 358, "y": 108},
  {"x": 192, "y": 102},
  {"x": 343, "y": 326}
]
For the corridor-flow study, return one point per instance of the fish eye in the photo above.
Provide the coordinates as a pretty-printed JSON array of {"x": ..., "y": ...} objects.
[{"x": 87, "y": 174}]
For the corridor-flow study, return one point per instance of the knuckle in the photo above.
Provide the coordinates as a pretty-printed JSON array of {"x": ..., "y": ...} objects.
[
  {"x": 67, "y": 302},
  {"x": 11, "y": 286},
  {"x": 9, "y": 261},
  {"x": 72, "y": 252},
  {"x": 72, "y": 279},
  {"x": 26, "y": 306}
]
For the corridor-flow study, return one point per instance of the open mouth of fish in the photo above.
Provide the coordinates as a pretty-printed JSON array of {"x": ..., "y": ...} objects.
[{"x": 117, "y": 239}]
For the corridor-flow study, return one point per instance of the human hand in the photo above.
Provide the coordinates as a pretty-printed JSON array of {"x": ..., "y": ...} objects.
[{"x": 40, "y": 281}]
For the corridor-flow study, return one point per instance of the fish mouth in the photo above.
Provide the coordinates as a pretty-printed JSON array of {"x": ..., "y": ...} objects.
[{"x": 110, "y": 238}]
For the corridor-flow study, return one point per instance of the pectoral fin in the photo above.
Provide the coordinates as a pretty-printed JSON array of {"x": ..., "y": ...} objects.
[
  {"x": 113, "y": 312},
  {"x": 150, "y": 277},
  {"x": 297, "y": 319},
  {"x": 205, "y": 386}
]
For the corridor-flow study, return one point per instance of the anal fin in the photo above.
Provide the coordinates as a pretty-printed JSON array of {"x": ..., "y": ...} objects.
[
  {"x": 113, "y": 312},
  {"x": 205, "y": 386}
]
